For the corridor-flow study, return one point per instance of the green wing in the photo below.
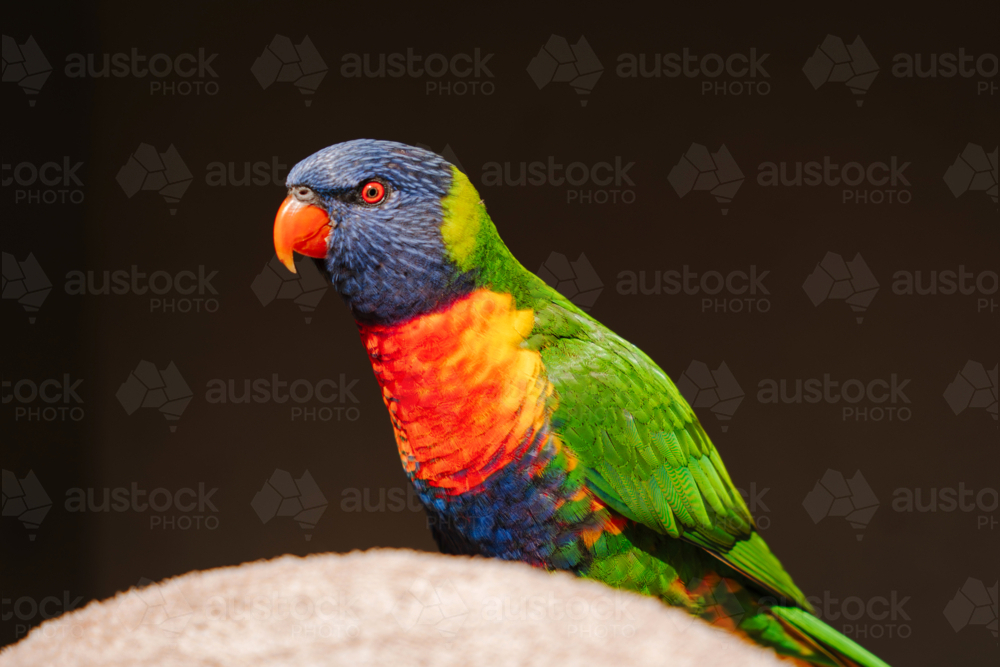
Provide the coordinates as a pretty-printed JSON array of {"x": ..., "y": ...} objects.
[{"x": 645, "y": 453}]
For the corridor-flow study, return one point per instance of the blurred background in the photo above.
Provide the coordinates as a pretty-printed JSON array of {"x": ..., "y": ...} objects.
[{"x": 174, "y": 400}]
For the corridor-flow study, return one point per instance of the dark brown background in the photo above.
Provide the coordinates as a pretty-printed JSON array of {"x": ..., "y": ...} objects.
[{"x": 785, "y": 230}]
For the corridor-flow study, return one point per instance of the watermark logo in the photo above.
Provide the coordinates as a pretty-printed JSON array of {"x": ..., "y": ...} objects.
[
  {"x": 164, "y": 390},
  {"x": 852, "y": 392},
  {"x": 577, "y": 281},
  {"x": 949, "y": 499},
  {"x": 52, "y": 391},
  {"x": 835, "y": 62},
  {"x": 949, "y": 282},
  {"x": 25, "y": 282},
  {"x": 184, "y": 509},
  {"x": 46, "y": 183},
  {"x": 598, "y": 177},
  {"x": 851, "y": 282},
  {"x": 876, "y": 617},
  {"x": 147, "y": 603},
  {"x": 159, "y": 284},
  {"x": 471, "y": 70},
  {"x": 261, "y": 172},
  {"x": 852, "y": 499},
  {"x": 973, "y": 387},
  {"x": 973, "y": 604},
  {"x": 183, "y": 75},
  {"x": 304, "y": 288},
  {"x": 283, "y": 62},
  {"x": 437, "y": 607},
  {"x": 743, "y": 70},
  {"x": 973, "y": 170},
  {"x": 872, "y": 177},
  {"x": 700, "y": 171},
  {"x": 166, "y": 173},
  {"x": 947, "y": 66},
  {"x": 299, "y": 498},
  {"x": 25, "y": 65},
  {"x": 732, "y": 285},
  {"x": 559, "y": 62},
  {"x": 716, "y": 390},
  {"x": 606, "y": 615},
  {"x": 300, "y": 392},
  {"x": 28, "y": 610},
  {"x": 26, "y": 500}
]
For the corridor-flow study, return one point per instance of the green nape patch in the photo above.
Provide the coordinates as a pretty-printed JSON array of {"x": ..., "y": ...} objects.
[
  {"x": 461, "y": 220},
  {"x": 473, "y": 244}
]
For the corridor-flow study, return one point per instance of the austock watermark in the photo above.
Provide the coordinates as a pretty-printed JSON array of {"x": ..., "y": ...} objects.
[
  {"x": 868, "y": 400},
  {"x": 973, "y": 387},
  {"x": 25, "y": 282},
  {"x": 182, "y": 292},
  {"x": 735, "y": 291},
  {"x": 599, "y": 182},
  {"x": 973, "y": 171},
  {"x": 159, "y": 605},
  {"x": 331, "y": 616},
  {"x": 25, "y": 500},
  {"x": 165, "y": 389},
  {"x": 837, "y": 280},
  {"x": 48, "y": 400},
  {"x": 981, "y": 502},
  {"x": 321, "y": 400},
  {"x": 605, "y": 616},
  {"x": 739, "y": 74},
  {"x": 558, "y": 61},
  {"x": 305, "y": 288},
  {"x": 182, "y": 74},
  {"x": 716, "y": 173},
  {"x": 25, "y": 65},
  {"x": 454, "y": 74},
  {"x": 716, "y": 390},
  {"x": 982, "y": 285},
  {"x": 980, "y": 68},
  {"x": 835, "y": 495},
  {"x": 835, "y": 61},
  {"x": 858, "y": 182},
  {"x": 284, "y": 62},
  {"x": 184, "y": 508},
  {"x": 973, "y": 604},
  {"x": 865, "y": 617},
  {"x": 576, "y": 280},
  {"x": 55, "y": 181},
  {"x": 284, "y": 496},
  {"x": 28, "y": 611}
]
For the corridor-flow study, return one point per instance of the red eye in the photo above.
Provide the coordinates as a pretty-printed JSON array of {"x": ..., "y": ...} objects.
[{"x": 373, "y": 192}]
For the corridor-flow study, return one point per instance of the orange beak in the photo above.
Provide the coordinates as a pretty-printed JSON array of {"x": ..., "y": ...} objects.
[{"x": 301, "y": 228}]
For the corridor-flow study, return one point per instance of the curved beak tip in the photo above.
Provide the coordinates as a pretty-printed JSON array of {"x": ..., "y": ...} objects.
[{"x": 302, "y": 228}]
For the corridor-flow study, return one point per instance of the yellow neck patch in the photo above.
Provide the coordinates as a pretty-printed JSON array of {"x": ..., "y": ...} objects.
[{"x": 462, "y": 212}]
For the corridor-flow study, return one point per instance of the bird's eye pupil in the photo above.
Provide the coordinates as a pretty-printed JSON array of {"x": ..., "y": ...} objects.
[{"x": 373, "y": 192}]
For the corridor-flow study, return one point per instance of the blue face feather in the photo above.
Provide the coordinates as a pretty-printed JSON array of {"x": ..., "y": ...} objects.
[{"x": 387, "y": 261}]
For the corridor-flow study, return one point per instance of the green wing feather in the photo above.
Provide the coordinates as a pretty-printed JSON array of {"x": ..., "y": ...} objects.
[
  {"x": 827, "y": 636},
  {"x": 644, "y": 451}
]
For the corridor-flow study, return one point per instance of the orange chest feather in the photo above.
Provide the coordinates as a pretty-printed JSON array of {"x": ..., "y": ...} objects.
[{"x": 462, "y": 392}]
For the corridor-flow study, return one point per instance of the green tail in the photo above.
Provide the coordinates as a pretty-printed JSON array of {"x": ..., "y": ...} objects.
[{"x": 829, "y": 638}]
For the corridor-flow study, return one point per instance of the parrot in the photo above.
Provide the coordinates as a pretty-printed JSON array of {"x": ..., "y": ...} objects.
[{"x": 530, "y": 431}]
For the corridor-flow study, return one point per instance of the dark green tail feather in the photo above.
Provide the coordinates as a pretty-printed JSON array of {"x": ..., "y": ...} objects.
[{"x": 808, "y": 624}]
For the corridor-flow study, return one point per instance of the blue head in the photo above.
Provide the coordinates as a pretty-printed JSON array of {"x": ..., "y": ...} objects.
[{"x": 372, "y": 210}]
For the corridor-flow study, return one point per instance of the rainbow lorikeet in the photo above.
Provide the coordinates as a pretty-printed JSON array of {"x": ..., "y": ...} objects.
[{"x": 530, "y": 430}]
